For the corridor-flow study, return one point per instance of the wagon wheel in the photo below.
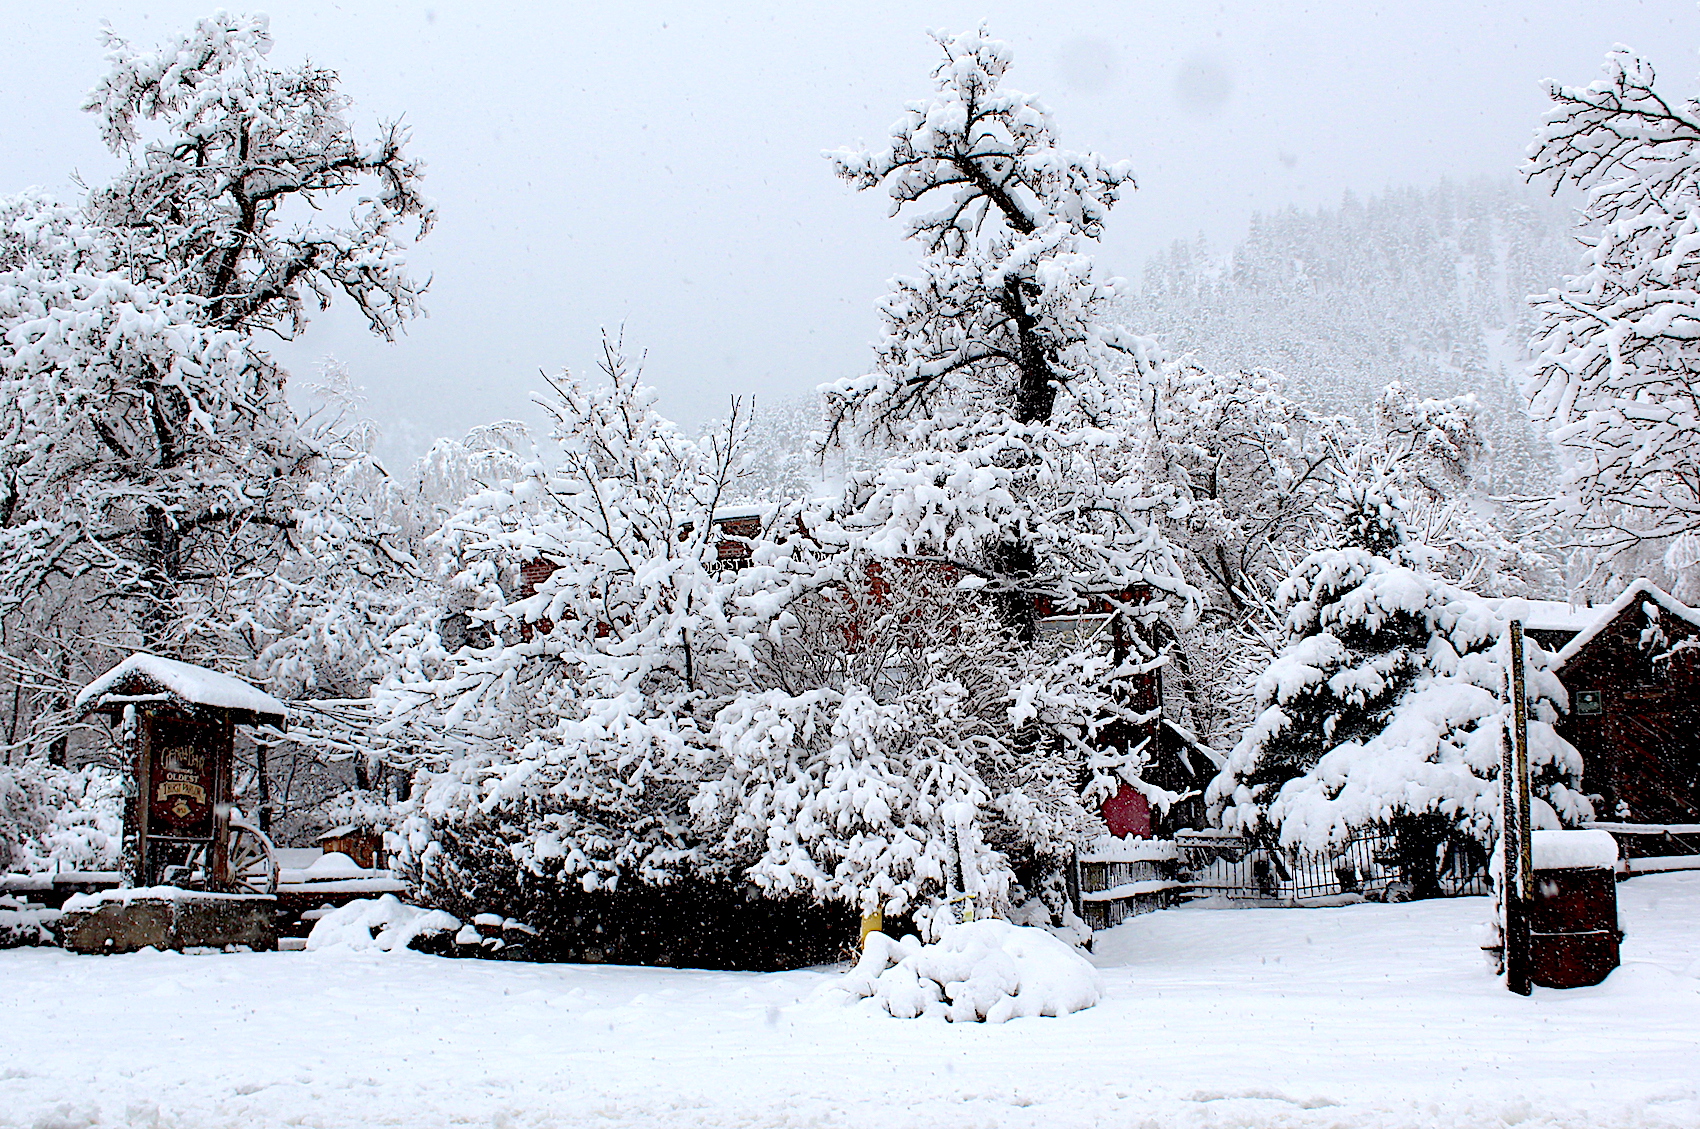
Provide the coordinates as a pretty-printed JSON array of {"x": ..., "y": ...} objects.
[{"x": 253, "y": 862}]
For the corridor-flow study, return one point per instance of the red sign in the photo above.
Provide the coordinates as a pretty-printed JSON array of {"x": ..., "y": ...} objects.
[
  {"x": 1128, "y": 812},
  {"x": 180, "y": 795}
]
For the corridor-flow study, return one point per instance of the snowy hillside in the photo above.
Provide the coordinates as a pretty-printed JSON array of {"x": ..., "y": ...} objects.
[{"x": 1426, "y": 287}]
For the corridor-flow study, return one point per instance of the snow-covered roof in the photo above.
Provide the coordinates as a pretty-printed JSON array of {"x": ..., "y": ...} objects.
[
  {"x": 1642, "y": 589},
  {"x": 143, "y": 675},
  {"x": 1554, "y": 615}
]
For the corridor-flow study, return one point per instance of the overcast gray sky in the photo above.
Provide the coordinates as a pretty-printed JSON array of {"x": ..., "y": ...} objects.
[{"x": 658, "y": 165}]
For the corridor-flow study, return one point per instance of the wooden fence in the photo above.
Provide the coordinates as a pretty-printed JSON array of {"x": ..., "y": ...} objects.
[
  {"x": 1650, "y": 848},
  {"x": 1119, "y": 881}
]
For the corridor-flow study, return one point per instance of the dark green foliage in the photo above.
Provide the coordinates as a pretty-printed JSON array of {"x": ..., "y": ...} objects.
[{"x": 686, "y": 924}]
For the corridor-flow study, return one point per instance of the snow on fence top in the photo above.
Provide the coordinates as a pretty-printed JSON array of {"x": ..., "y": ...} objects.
[
  {"x": 1549, "y": 615},
  {"x": 143, "y": 675},
  {"x": 1565, "y": 850}
]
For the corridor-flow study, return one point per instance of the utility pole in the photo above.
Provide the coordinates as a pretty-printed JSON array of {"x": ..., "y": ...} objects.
[{"x": 1514, "y": 824}]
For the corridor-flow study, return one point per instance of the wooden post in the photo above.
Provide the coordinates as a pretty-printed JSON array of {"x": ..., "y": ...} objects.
[
  {"x": 263, "y": 786},
  {"x": 134, "y": 862},
  {"x": 1514, "y": 824},
  {"x": 1071, "y": 884},
  {"x": 221, "y": 750}
]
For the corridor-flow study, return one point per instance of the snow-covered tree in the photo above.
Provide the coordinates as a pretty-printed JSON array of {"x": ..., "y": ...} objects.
[
  {"x": 224, "y": 148},
  {"x": 999, "y": 381},
  {"x": 54, "y": 818},
  {"x": 908, "y": 750},
  {"x": 154, "y": 477},
  {"x": 584, "y": 713},
  {"x": 1249, "y": 464},
  {"x": 1385, "y": 705},
  {"x": 1618, "y": 373},
  {"x": 146, "y": 448},
  {"x": 1008, "y": 310}
]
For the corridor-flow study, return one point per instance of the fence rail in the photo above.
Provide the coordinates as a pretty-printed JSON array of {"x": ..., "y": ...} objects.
[
  {"x": 1371, "y": 865},
  {"x": 1136, "y": 876},
  {"x": 1646, "y": 848}
]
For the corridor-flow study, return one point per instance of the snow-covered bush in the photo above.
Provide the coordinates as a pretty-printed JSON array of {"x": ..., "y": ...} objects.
[
  {"x": 979, "y": 971},
  {"x": 583, "y": 716},
  {"x": 884, "y": 770},
  {"x": 53, "y": 818},
  {"x": 384, "y": 924}
]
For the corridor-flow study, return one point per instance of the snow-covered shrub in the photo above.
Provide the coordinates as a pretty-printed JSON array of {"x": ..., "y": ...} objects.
[
  {"x": 1386, "y": 704},
  {"x": 979, "y": 971},
  {"x": 384, "y": 924},
  {"x": 22, "y": 925},
  {"x": 870, "y": 773},
  {"x": 582, "y": 718},
  {"x": 54, "y": 818}
]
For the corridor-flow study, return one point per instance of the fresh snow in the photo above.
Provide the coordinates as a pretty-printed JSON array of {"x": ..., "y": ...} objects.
[
  {"x": 383, "y": 924},
  {"x": 1346, "y": 1018},
  {"x": 1561, "y": 850},
  {"x": 334, "y": 865},
  {"x": 978, "y": 971},
  {"x": 191, "y": 683}
]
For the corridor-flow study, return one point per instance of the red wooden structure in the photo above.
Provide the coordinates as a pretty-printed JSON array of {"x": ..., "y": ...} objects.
[
  {"x": 179, "y": 736},
  {"x": 1633, "y": 676}
]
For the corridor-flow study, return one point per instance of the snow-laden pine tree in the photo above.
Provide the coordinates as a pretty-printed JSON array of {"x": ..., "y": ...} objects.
[
  {"x": 1385, "y": 705},
  {"x": 1618, "y": 372}
]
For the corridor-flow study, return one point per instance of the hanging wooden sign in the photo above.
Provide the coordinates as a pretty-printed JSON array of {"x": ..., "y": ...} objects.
[{"x": 185, "y": 780}]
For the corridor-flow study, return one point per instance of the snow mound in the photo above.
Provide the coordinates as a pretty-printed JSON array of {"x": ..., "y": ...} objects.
[
  {"x": 334, "y": 865},
  {"x": 384, "y": 924},
  {"x": 988, "y": 971},
  {"x": 1561, "y": 850}
]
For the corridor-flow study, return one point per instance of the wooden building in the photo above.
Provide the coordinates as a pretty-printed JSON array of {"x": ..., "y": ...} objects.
[{"x": 1632, "y": 669}]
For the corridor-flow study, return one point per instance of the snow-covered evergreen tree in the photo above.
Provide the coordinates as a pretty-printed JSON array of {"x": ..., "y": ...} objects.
[
  {"x": 1385, "y": 705},
  {"x": 1618, "y": 373}
]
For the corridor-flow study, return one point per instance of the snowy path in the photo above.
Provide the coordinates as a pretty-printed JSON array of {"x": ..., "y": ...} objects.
[{"x": 1358, "y": 1016}]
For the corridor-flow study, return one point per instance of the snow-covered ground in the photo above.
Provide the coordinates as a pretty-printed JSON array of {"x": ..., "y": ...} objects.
[{"x": 1364, "y": 1015}]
